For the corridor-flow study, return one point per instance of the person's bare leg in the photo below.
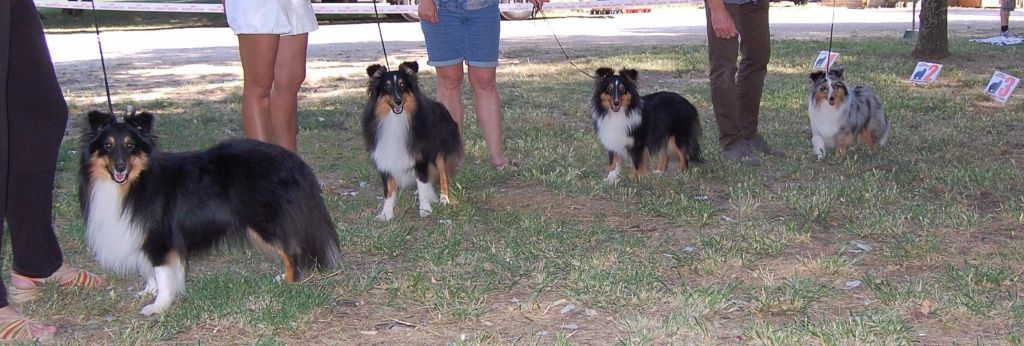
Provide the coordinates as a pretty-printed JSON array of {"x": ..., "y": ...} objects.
[
  {"x": 289, "y": 73},
  {"x": 258, "y": 53},
  {"x": 488, "y": 110},
  {"x": 1004, "y": 17},
  {"x": 449, "y": 90}
]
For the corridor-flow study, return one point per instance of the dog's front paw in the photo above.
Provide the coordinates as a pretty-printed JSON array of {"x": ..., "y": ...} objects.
[
  {"x": 149, "y": 290},
  {"x": 153, "y": 309},
  {"x": 444, "y": 199},
  {"x": 385, "y": 216},
  {"x": 426, "y": 212},
  {"x": 612, "y": 179},
  {"x": 819, "y": 153},
  {"x": 146, "y": 292},
  {"x": 657, "y": 172}
]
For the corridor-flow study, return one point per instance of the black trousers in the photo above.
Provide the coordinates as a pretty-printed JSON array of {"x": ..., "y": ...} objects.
[{"x": 33, "y": 116}]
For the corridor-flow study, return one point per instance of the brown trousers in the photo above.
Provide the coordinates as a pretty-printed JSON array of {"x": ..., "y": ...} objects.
[
  {"x": 33, "y": 116},
  {"x": 736, "y": 92}
]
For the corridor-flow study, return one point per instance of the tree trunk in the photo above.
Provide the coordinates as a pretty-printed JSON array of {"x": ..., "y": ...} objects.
[{"x": 933, "y": 41}]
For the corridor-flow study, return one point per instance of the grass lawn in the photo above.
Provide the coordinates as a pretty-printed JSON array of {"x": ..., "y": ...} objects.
[{"x": 922, "y": 242}]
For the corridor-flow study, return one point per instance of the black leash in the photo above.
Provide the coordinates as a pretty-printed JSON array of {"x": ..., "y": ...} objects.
[
  {"x": 828, "y": 58},
  {"x": 537, "y": 10},
  {"x": 103, "y": 63},
  {"x": 387, "y": 65}
]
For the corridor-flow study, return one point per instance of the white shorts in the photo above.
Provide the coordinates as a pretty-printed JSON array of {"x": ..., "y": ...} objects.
[{"x": 281, "y": 17}]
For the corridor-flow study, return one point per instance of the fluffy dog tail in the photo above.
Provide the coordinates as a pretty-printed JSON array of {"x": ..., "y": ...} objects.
[
  {"x": 886, "y": 127},
  {"x": 693, "y": 133},
  {"x": 314, "y": 239}
]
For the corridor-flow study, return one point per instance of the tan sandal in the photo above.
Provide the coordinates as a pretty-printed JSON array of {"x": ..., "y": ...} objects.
[
  {"x": 511, "y": 165},
  {"x": 20, "y": 328},
  {"x": 65, "y": 277}
]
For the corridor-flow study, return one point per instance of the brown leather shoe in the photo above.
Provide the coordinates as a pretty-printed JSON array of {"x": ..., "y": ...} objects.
[
  {"x": 757, "y": 143},
  {"x": 740, "y": 153}
]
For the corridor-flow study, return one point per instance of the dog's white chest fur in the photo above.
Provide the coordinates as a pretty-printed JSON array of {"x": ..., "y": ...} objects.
[
  {"x": 114, "y": 239},
  {"x": 391, "y": 153},
  {"x": 826, "y": 120},
  {"x": 613, "y": 130}
]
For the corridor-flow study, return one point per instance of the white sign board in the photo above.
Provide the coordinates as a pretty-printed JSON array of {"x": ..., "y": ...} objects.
[
  {"x": 1001, "y": 86},
  {"x": 925, "y": 72},
  {"x": 821, "y": 63}
]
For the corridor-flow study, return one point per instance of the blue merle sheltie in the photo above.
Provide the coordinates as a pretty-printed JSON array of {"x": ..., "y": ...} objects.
[
  {"x": 839, "y": 115},
  {"x": 148, "y": 211},
  {"x": 635, "y": 128},
  {"x": 410, "y": 137}
]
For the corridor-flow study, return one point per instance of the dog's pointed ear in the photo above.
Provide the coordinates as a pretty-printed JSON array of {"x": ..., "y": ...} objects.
[
  {"x": 99, "y": 120},
  {"x": 629, "y": 73},
  {"x": 140, "y": 121},
  {"x": 375, "y": 70},
  {"x": 817, "y": 76},
  {"x": 604, "y": 72},
  {"x": 835, "y": 72},
  {"x": 410, "y": 67}
]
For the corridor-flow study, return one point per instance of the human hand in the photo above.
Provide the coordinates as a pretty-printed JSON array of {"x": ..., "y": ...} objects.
[
  {"x": 427, "y": 11},
  {"x": 721, "y": 21}
]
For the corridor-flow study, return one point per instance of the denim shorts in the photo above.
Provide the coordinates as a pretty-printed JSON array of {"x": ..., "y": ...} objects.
[{"x": 463, "y": 33}]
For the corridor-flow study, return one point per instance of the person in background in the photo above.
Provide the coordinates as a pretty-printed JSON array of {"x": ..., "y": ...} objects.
[
  {"x": 272, "y": 41},
  {"x": 466, "y": 32},
  {"x": 739, "y": 26},
  {"x": 33, "y": 115},
  {"x": 1006, "y": 7}
]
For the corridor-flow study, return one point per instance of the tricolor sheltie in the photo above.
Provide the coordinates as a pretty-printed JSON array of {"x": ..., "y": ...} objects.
[
  {"x": 410, "y": 137},
  {"x": 148, "y": 211},
  {"x": 840, "y": 115},
  {"x": 636, "y": 128}
]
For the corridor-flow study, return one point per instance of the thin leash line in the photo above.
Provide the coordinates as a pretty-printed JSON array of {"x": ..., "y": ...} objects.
[
  {"x": 559, "y": 42},
  {"x": 103, "y": 63},
  {"x": 832, "y": 26},
  {"x": 380, "y": 32}
]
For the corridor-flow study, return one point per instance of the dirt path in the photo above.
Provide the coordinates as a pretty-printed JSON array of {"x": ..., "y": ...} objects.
[{"x": 157, "y": 64}]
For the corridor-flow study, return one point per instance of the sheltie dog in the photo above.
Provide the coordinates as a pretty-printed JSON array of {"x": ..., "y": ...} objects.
[
  {"x": 409, "y": 137},
  {"x": 635, "y": 128},
  {"x": 839, "y": 115},
  {"x": 148, "y": 211}
]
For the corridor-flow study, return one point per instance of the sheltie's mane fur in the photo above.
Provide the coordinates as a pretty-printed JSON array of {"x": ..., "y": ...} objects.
[
  {"x": 148, "y": 211},
  {"x": 635, "y": 127},
  {"x": 839, "y": 115},
  {"x": 410, "y": 137}
]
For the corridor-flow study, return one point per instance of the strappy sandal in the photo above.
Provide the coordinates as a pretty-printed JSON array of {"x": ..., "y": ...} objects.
[
  {"x": 511, "y": 165},
  {"x": 65, "y": 277},
  {"x": 19, "y": 328}
]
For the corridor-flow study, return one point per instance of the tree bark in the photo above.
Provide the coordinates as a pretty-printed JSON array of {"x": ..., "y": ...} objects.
[{"x": 933, "y": 40}]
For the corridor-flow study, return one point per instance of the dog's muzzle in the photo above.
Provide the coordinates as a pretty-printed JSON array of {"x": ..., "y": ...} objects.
[{"x": 120, "y": 173}]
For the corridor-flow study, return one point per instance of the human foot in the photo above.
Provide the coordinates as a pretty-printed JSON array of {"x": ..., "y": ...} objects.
[
  {"x": 25, "y": 289},
  {"x": 16, "y": 327}
]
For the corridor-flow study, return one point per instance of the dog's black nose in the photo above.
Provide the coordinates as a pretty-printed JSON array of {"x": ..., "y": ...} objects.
[{"x": 120, "y": 166}]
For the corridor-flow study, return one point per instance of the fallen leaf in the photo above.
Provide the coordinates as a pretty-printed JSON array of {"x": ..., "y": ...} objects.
[{"x": 926, "y": 307}]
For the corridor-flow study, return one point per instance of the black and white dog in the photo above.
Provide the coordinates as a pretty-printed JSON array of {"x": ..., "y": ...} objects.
[
  {"x": 635, "y": 128},
  {"x": 148, "y": 211},
  {"x": 410, "y": 137}
]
